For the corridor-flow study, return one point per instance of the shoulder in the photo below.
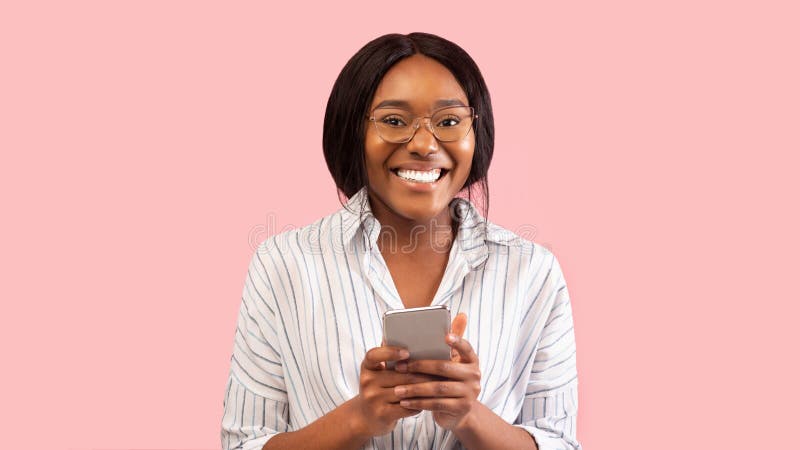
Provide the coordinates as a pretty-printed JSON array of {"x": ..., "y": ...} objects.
[
  {"x": 306, "y": 240},
  {"x": 499, "y": 235},
  {"x": 533, "y": 254}
]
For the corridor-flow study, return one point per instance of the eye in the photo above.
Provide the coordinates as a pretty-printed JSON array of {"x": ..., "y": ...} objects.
[
  {"x": 450, "y": 121},
  {"x": 394, "y": 121}
]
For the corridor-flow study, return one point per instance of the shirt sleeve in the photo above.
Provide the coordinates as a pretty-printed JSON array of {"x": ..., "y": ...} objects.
[
  {"x": 550, "y": 407},
  {"x": 255, "y": 407}
]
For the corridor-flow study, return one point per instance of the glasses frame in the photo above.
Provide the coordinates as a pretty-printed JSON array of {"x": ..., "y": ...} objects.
[{"x": 416, "y": 123}]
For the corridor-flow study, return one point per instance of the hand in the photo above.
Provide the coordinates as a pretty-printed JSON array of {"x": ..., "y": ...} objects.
[
  {"x": 451, "y": 400},
  {"x": 377, "y": 407}
]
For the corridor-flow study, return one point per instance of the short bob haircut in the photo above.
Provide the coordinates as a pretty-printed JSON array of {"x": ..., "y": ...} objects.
[{"x": 348, "y": 105}]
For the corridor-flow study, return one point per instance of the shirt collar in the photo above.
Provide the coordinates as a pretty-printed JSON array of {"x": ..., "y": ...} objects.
[{"x": 474, "y": 231}]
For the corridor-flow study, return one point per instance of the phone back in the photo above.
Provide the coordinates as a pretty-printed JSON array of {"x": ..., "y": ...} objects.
[{"x": 420, "y": 330}]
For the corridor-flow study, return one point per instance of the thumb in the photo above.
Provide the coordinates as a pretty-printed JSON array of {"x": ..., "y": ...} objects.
[
  {"x": 457, "y": 328},
  {"x": 459, "y": 325}
]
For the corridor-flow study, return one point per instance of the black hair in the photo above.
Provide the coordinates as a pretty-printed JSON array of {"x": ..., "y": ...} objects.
[{"x": 352, "y": 94}]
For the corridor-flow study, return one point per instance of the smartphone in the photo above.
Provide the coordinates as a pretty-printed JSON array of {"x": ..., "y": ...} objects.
[{"x": 420, "y": 330}]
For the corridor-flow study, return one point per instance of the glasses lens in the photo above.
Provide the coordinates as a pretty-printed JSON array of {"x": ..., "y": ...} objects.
[
  {"x": 394, "y": 125},
  {"x": 449, "y": 124},
  {"x": 452, "y": 124}
]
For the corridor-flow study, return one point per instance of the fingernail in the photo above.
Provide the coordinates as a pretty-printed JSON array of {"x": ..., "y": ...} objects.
[
  {"x": 405, "y": 403},
  {"x": 399, "y": 391},
  {"x": 451, "y": 338},
  {"x": 401, "y": 367},
  {"x": 404, "y": 354}
]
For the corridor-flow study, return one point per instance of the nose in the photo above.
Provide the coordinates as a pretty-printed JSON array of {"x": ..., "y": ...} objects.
[{"x": 423, "y": 140}]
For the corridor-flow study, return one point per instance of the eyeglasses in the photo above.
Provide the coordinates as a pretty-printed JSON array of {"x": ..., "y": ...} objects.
[{"x": 448, "y": 124}]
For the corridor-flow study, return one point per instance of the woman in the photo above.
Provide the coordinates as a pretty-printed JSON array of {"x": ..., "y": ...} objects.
[{"x": 408, "y": 126}]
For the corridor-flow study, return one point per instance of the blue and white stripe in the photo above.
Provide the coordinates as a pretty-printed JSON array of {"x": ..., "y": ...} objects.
[{"x": 312, "y": 305}]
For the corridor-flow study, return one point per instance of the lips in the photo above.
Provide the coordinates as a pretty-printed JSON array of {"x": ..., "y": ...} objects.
[{"x": 418, "y": 167}]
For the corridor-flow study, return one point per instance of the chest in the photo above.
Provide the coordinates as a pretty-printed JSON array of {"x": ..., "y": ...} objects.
[
  {"x": 418, "y": 279},
  {"x": 335, "y": 317}
]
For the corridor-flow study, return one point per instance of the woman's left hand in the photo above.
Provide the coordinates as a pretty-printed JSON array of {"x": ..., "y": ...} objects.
[{"x": 452, "y": 399}]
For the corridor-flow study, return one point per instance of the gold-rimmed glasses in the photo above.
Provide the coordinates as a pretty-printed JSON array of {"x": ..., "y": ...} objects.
[{"x": 398, "y": 126}]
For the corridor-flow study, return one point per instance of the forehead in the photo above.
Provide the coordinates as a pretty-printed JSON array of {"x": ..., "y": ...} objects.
[{"x": 421, "y": 81}]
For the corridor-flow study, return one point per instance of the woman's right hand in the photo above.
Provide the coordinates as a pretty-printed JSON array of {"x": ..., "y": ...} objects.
[{"x": 377, "y": 407}]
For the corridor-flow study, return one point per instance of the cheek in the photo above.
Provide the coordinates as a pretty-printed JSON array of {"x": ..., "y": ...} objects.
[
  {"x": 370, "y": 150},
  {"x": 463, "y": 152},
  {"x": 369, "y": 134},
  {"x": 376, "y": 151}
]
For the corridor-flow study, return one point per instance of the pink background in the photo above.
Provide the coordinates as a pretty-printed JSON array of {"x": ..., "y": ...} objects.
[{"x": 148, "y": 146}]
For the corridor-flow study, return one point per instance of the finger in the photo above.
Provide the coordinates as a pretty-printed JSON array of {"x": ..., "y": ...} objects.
[
  {"x": 385, "y": 396},
  {"x": 390, "y": 378},
  {"x": 459, "y": 324},
  {"x": 375, "y": 357},
  {"x": 442, "y": 368},
  {"x": 454, "y": 406},
  {"x": 463, "y": 348},
  {"x": 395, "y": 411},
  {"x": 432, "y": 389}
]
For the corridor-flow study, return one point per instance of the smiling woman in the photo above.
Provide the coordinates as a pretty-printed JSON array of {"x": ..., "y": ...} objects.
[
  {"x": 403, "y": 180},
  {"x": 408, "y": 128}
]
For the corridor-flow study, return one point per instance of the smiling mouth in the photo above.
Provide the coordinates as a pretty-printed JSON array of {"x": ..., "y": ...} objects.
[{"x": 416, "y": 176}]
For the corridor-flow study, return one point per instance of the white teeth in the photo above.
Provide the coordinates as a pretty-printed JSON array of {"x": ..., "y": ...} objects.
[{"x": 422, "y": 177}]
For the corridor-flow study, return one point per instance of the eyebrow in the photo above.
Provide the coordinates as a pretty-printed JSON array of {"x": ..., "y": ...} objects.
[{"x": 404, "y": 104}]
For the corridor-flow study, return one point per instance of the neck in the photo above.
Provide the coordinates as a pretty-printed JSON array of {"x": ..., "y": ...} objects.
[{"x": 400, "y": 236}]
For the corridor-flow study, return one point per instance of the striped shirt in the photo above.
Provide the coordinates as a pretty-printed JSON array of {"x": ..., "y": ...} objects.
[{"x": 312, "y": 306}]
